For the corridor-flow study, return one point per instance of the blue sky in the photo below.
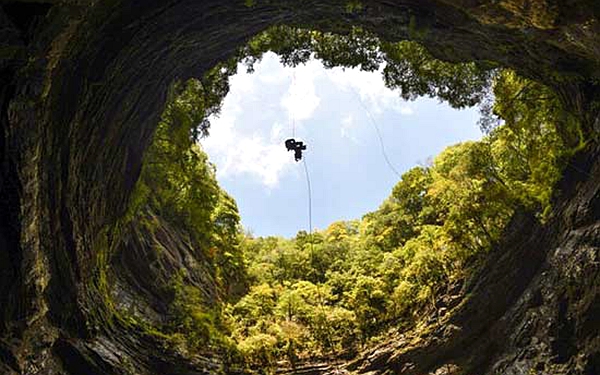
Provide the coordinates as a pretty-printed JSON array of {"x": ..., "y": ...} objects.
[{"x": 348, "y": 173}]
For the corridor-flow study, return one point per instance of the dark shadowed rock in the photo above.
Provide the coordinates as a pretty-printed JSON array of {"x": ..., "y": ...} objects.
[{"x": 82, "y": 85}]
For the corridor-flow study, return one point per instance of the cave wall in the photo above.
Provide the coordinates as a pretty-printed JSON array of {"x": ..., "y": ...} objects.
[
  {"x": 145, "y": 289},
  {"x": 532, "y": 308},
  {"x": 83, "y": 84}
]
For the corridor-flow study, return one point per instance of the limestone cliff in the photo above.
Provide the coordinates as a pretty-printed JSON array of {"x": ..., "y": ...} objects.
[{"x": 82, "y": 84}]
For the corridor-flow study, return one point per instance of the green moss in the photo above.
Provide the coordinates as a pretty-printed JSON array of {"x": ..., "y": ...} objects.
[
  {"x": 105, "y": 312},
  {"x": 416, "y": 31},
  {"x": 354, "y": 6}
]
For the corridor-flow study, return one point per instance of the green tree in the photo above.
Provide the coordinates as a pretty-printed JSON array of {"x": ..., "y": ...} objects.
[
  {"x": 400, "y": 216},
  {"x": 368, "y": 301},
  {"x": 407, "y": 66}
]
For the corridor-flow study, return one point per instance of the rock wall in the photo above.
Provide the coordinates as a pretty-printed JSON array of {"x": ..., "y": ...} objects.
[
  {"x": 532, "y": 309},
  {"x": 82, "y": 84},
  {"x": 150, "y": 258}
]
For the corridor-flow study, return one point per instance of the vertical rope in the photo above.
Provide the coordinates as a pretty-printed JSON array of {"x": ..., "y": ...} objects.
[
  {"x": 309, "y": 199},
  {"x": 293, "y": 99},
  {"x": 374, "y": 123}
]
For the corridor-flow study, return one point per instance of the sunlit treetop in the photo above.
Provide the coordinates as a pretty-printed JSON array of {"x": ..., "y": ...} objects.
[{"x": 406, "y": 67}]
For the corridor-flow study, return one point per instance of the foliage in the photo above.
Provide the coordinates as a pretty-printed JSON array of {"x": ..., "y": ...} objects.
[
  {"x": 354, "y": 6},
  {"x": 328, "y": 293},
  {"x": 196, "y": 317},
  {"x": 538, "y": 138},
  {"x": 178, "y": 183},
  {"x": 414, "y": 72},
  {"x": 406, "y": 66}
]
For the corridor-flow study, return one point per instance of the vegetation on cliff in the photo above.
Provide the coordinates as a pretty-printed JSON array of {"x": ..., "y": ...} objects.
[
  {"x": 331, "y": 292},
  {"x": 178, "y": 184}
]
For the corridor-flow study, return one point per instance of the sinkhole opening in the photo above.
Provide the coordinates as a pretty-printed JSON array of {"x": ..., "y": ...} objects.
[
  {"x": 360, "y": 136},
  {"x": 409, "y": 195}
]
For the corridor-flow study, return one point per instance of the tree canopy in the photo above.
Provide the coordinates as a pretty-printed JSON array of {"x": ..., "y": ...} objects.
[{"x": 331, "y": 292}]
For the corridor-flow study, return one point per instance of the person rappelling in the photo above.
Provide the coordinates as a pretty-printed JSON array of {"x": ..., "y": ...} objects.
[{"x": 296, "y": 146}]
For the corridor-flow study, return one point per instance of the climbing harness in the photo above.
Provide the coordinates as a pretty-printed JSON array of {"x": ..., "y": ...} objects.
[{"x": 296, "y": 146}]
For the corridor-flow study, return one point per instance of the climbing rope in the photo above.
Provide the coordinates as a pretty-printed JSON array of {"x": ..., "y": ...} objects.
[
  {"x": 292, "y": 119},
  {"x": 309, "y": 200},
  {"x": 292, "y": 98},
  {"x": 374, "y": 123}
]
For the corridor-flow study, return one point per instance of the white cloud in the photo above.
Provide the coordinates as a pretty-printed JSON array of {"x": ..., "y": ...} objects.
[
  {"x": 346, "y": 129},
  {"x": 244, "y": 148},
  {"x": 253, "y": 152},
  {"x": 301, "y": 101},
  {"x": 406, "y": 110},
  {"x": 276, "y": 133},
  {"x": 236, "y": 154},
  {"x": 272, "y": 79},
  {"x": 254, "y": 156},
  {"x": 242, "y": 82}
]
